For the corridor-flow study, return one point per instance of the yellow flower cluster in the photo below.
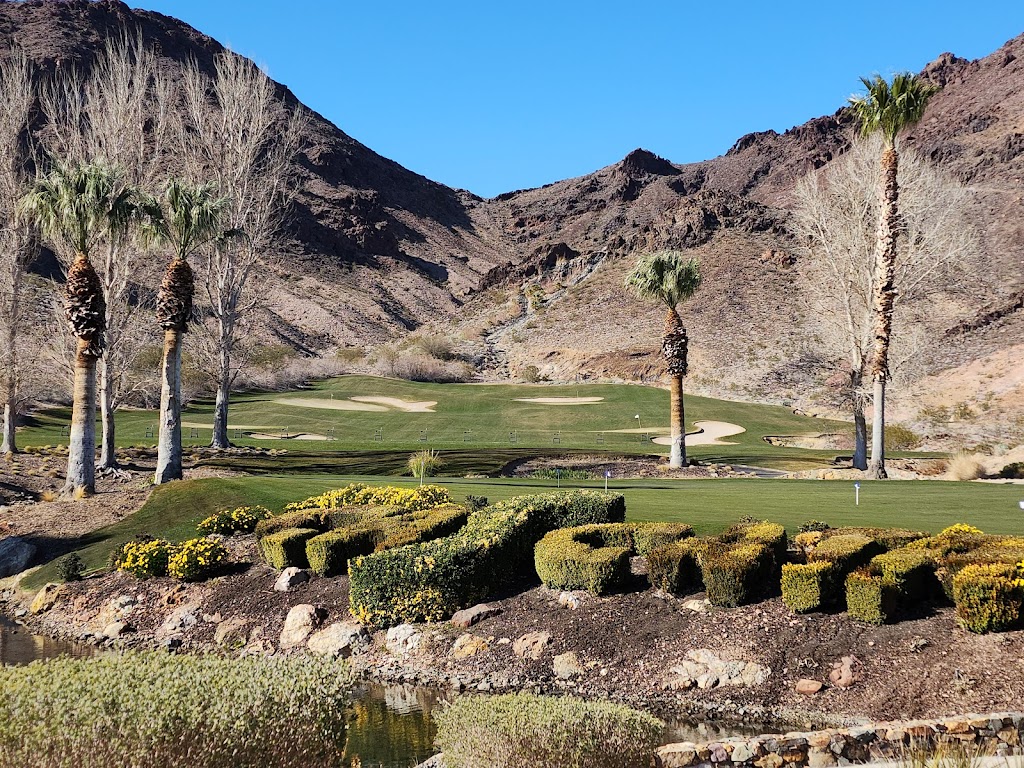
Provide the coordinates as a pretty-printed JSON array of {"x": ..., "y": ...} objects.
[
  {"x": 196, "y": 559},
  {"x": 426, "y": 604},
  {"x": 230, "y": 521},
  {"x": 357, "y": 494},
  {"x": 145, "y": 558},
  {"x": 960, "y": 529}
]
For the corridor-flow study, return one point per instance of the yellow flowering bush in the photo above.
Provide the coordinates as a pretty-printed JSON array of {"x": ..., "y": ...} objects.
[
  {"x": 960, "y": 529},
  {"x": 229, "y": 521},
  {"x": 196, "y": 559},
  {"x": 358, "y": 494},
  {"x": 145, "y": 558}
]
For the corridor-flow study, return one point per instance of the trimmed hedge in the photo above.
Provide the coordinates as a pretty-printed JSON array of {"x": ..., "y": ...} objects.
[
  {"x": 887, "y": 538},
  {"x": 881, "y": 591},
  {"x": 286, "y": 549},
  {"x": 736, "y": 575},
  {"x": 847, "y": 552},
  {"x": 988, "y": 597},
  {"x": 809, "y": 587},
  {"x": 328, "y": 554},
  {"x": 287, "y": 521},
  {"x": 674, "y": 568},
  {"x": 431, "y": 580},
  {"x": 648, "y": 537},
  {"x": 871, "y": 598}
]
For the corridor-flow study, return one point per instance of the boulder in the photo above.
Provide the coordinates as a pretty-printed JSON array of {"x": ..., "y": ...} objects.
[
  {"x": 403, "y": 639},
  {"x": 531, "y": 645},
  {"x": 114, "y": 610},
  {"x": 15, "y": 555},
  {"x": 697, "y": 606},
  {"x": 808, "y": 687},
  {"x": 704, "y": 669},
  {"x": 466, "y": 618},
  {"x": 571, "y": 600},
  {"x": 300, "y": 623},
  {"x": 115, "y": 629},
  {"x": 340, "y": 639},
  {"x": 290, "y": 578},
  {"x": 567, "y": 666},
  {"x": 468, "y": 645},
  {"x": 680, "y": 755},
  {"x": 181, "y": 619},
  {"x": 231, "y": 633},
  {"x": 46, "y": 598},
  {"x": 845, "y": 672}
]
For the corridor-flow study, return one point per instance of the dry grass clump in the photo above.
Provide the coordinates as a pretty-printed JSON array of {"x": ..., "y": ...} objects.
[{"x": 965, "y": 466}]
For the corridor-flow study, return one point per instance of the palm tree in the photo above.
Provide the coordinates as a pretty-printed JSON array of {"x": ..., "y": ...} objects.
[
  {"x": 187, "y": 218},
  {"x": 670, "y": 278},
  {"x": 887, "y": 109},
  {"x": 74, "y": 206}
]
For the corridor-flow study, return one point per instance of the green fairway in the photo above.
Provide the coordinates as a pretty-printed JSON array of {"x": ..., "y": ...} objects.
[
  {"x": 472, "y": 417},
  {"x": 709, "y": 505}
]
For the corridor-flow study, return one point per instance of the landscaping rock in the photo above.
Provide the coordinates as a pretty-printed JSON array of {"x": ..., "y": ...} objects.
[
  {"x": 467, "y": 618},
  {"x": 845, "y": 672},
  {"x": 468, "y": 645},
  {"x": 703, "y": 669},
  {"x": 572, "y": 600},
  {"x": 15, "y": 555},
  {"x": 531, "y": 645},
  {"x": 339, "y": 640},
  {"x": 681, "y": 755},
  {"x": 567, "y": 666},
  {"x": 115, "y": 610},
  {"x": 46, "y": 598},
  {"x": 290, "y": 578},
  {"x": 231, "y": 633},
  {"x": 181, "y": 619},
  {"x": 403, "y": 639},
  {"x": 808, "y": 687},
  {"x": 697, "y": 606},
  {"x": 298, "y": 625},
  {"x": 115, "y": 629}
]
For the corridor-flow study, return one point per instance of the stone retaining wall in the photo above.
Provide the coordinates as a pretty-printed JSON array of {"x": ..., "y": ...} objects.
[{"x": 1000, "y": 733}]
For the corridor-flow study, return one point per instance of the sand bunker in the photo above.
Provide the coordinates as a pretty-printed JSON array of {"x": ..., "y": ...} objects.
[
  {"x": 560, "y": 400},
  {"x": 331, "y": 405},
  {"x": 279, "y": 436},
  {"x": 710, "y": 434},
  {"x": 231, "y": 427},
  {"x": 426, "y": 406}
]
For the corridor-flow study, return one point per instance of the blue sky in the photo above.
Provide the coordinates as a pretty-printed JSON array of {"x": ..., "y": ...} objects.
[{"x": 495, "y": 96}]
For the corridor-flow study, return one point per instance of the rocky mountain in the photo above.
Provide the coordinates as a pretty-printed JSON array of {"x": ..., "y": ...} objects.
[{"x": 534, "y": 277}]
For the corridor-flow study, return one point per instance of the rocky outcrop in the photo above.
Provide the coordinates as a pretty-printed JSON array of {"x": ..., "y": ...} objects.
[{"x": 15, "y": 555}]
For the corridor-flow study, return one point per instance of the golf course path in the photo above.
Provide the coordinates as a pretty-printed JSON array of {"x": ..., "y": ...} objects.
[{"x": 710, "y": 433}]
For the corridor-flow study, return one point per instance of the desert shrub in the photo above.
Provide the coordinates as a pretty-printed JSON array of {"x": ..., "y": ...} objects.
[
  {"x": 593, "y": 557},
  {"x": 287, "y": 521},
  {"x": 358, "y": 494},
  {"x": 328, "y": 554},
  {"x": 870, "y": 598},
  {"x": 145, "y": 559},
  {"x": 1014, "y": 471},
  {"x": 196, "y": 559},
  {"x": 988, "y": 597},
  {"x": 475, "y": 502},
  {"x": 429, "y": 369},
  {"x": 438, "y": 347},
  {"x": 70, "y": 567},
  {"x": 158, "y": 709},
  {"x": 287, "y": 548},
  {"x": 809, "y": 587},
  {"x": 964, "y": 466},
  {"x": 430, "y": 580},
  {"x": 673, "y": 568},
  {"x": 899, "y": 437},
  {"x": 553, "y": 473},
  {"x": 545, "y": 731},
  {"x": 531, "y": 374},
  {"x": 229, "y": 521},
  {"x": 425, "y": 463}
]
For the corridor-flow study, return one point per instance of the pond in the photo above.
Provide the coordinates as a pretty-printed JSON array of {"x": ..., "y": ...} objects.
[{"x": 390, "y": 725}]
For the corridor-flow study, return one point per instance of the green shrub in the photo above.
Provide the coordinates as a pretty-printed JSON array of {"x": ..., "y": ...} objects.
[
  {"x": 145, "y": 558},
  {"x": 428, "y": 581},
  {"x": 650, "y": 536},
  {"x": 359, "y": 494},
  {"x": 229, "y": 521},
  {"x": 809, "y": 587},
  {"x": 301, "y": 519},
  {"x": 593, "y": 557},
  {"x": 673, "y": 568},
  {"x": 847, "y": 552},
  {"x": 328, "y": 554},
  {"x": 475, "y": 503},
  {"x": 735, "y": 575},
  {"x": 887, "y": 538},
  {"x": 772, "y": 536},
  {"x": 901, "y": 438},
  {"x": 70, "y": 567},
  {"x": 988, "y": 597},
  {"x": 870, "y": 598},
  {"x": 911, "y": 571},
  {"x": 545, "y": 731},
  {"x": 812, "y": 526},
  {"x": 1014, "y": 471},
  {"x": 196, "y": 559},
  {"x": 287, "y": 549}
]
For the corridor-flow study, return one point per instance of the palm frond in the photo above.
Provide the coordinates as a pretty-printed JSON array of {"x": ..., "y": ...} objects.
[
  {"x": 889, "y": 108},
  {"x": 668, "y": 277}
]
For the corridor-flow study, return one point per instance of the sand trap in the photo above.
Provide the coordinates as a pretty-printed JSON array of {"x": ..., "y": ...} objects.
[
  {"x": 231, "y": 427},
  {"x": 426, "y": 406},
  {"x": 331, "y": 405},
  {"x": 279, "y": 436},
  {"x": 560, "y": 400},
  {"x": 710, "y": 434}
]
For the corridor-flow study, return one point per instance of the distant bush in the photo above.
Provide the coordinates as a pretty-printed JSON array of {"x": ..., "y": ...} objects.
[
  {"x": 438, "y": 347},
  {"x": 475, "y": 502},
  {"x": 429, "y": 369},
  {"x": 899, "y": 437},
  {"x": 350, "y": 354},
  {"x": 229, "y": 521},
  {"x": 358, "y": 494},
  {"x": 425, "y": 463},
  {"x": 542, "y": 731},
  {"x": 555, "y": 473},
  {"x": 158, "y": 709},
  {"x": 531, "y": 374},
  {"x": 964, "y": 466},
  {"x": 1014, "y": 471},
  {"x": 70, "y": 567}
]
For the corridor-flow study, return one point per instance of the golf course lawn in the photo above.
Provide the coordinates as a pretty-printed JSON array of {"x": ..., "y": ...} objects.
[
  {"x": 369, "y": 413},
  {"x": 173, "y": 510}
]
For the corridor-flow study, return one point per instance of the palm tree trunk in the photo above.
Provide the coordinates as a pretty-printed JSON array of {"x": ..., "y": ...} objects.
[
  {"x": 9, "y": 444},
  {"x": 884, "y": 298},
  {"x": 81, "y": 475},
  {"x": 677, "y": 454},
  {"x": 108, "y": 445},
  {"x": 220, "y": 412},
  {"x": 168, "y": 462}
]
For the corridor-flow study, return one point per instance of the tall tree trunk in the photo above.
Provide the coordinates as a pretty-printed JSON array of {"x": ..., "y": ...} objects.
[
  {"x": 674, "y": 348},
  {"x": 9, "y": 444},
  {"x": 677, "y": 454},
  {"x": 81, "y": 476},
  {"x": 884, "y": 298},
  {"x": 168, "y": 462},
  {"x": 860, "y": 429},
  {"x": 220, "y": 413},
  {"x": 108, "y": 445}
]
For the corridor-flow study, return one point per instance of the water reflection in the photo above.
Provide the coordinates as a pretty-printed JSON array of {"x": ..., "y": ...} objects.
[
  {"x": 391, "y": 726},
  {"x": 19, "y": 646}
]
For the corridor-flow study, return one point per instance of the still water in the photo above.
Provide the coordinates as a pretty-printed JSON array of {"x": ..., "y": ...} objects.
[{"x": 390, "y": 726}]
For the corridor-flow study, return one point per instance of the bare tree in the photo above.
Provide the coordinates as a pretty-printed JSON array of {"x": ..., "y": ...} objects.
[
  {"x": 120, "y": 114},
  {"x": 18, "y": 243},
  {"x": 240, "y": 135},
  {"x": 837, "y": 211}
]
